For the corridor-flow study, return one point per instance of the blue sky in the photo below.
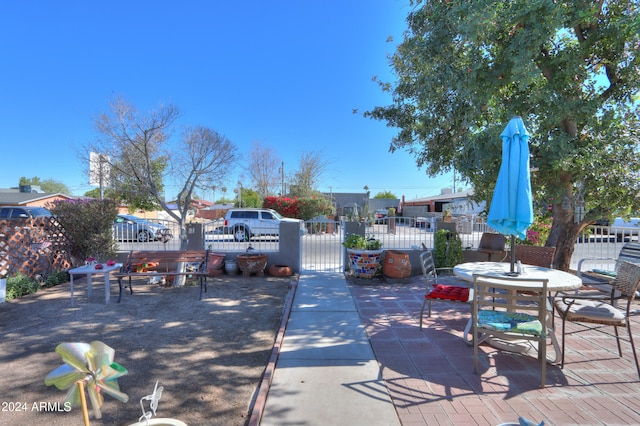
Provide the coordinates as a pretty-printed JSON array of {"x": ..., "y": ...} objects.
[{"x": 287, "y": 74}]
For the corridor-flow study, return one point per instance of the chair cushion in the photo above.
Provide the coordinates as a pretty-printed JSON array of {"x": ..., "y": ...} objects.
[
  {"x": 591, "y": 311},
  {"x": 605, "y": 272},
  {"x": 510, "y": 321},
  {"x": 449, "y": 292}
]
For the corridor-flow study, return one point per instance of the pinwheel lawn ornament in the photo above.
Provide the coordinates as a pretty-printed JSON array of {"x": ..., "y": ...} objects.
[{"x": 91, "y": 365}]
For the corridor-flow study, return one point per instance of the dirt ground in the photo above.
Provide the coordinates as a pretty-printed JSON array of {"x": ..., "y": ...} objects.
[{"x": 208, "y": 355}]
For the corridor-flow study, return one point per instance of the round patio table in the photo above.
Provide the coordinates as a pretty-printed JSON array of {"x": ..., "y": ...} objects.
[{"x": 557, "y": 281}]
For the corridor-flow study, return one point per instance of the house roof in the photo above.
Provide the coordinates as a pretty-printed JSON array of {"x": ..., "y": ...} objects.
[
  {"x": 446, "y": 197},
  {"x": 26, "y": 198}
]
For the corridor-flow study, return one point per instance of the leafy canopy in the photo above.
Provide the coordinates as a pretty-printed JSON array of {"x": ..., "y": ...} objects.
[{"x": 568, "y": 68}]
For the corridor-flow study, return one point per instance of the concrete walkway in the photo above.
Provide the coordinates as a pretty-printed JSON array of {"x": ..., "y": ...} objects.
[{"x": 326, "y": 372}]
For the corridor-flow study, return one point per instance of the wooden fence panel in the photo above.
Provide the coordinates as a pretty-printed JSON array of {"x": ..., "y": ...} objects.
[{"x": 34, "y": 247}]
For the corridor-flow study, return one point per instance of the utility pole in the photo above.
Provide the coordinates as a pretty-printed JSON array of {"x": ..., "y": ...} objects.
[{"x": 282, "y": 179}]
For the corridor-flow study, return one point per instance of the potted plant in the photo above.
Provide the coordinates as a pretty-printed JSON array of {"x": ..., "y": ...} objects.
[{"x": 364, "y": 255}]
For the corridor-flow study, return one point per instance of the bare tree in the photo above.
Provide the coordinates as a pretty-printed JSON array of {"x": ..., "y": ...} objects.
[
  {"x": 305, "y": 180},
  {"x": 263, "y": 168},
  {"x": 139, "y": 146}
]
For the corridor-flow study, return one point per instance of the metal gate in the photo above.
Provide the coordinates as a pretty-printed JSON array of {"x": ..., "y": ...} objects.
[{"x": 321, "y": 246}]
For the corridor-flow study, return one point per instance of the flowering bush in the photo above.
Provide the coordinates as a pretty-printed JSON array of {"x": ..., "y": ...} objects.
[
  {"x": 287, "y": 207},
  {"x": 538, "y": 232},
  {"x": 299, "y": 208}
]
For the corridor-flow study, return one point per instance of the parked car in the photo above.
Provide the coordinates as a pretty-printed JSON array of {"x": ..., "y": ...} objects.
[
  {"x": 23, "y": 212},
  {"x": 247, "y": 223},
  {"x": 132, "y": 228},
  {"x": 381, "y": 215}
]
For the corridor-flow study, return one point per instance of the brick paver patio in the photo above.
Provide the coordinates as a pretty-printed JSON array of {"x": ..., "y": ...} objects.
[{"x": 430, "y": 375}]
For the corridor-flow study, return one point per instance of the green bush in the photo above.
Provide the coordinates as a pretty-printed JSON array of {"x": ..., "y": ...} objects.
[
  {"x": 20, "y": 285},
  {"x": 447, "y": 249},
  {"x": 89, "y": 225},
  {"x": 56, "y": 278}
]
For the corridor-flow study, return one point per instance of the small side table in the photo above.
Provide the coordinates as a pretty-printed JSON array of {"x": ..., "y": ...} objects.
[{"x": 89, "y": 271}]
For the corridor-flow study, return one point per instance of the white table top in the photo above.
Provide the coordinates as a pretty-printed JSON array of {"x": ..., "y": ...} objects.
[
  {"x": 91, "y": 269},
  {"x": 558, "y": 280}
]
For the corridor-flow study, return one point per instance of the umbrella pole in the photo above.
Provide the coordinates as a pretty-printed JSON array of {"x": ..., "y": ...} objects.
[{"x": 513, "y": 255}]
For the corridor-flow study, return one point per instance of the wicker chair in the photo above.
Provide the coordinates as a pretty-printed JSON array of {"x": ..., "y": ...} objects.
[
  {"x": 491, "y": 243},
  {"x": 436, "y": 291},
  {"x": 534, "y": 255},
  {"x": 599, "y": 309}
]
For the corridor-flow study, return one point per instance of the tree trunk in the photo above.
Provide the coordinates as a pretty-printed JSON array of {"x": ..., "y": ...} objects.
[
  {"x": 181, "y": 280},
  {"x": 564, "y": 232}
]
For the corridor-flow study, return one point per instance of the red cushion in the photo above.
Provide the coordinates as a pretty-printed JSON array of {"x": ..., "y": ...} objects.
[{"x": 449, "y": 292}]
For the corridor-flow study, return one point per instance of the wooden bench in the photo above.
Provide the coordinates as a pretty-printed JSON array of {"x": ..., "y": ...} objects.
[{"x": 147, "y": 264}]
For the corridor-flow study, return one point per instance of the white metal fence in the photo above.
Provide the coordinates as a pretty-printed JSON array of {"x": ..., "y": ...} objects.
[
  {"x": 321, "y": 246},
  {"x": 219, "y": 238},
  {"x": 417, "y": 233},
  {"x": 322, "y": 249}
]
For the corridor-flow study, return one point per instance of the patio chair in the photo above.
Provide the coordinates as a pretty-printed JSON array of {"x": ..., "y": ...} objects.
[
  {"x": 598, "y": 272},
  {"x": 436, "y": 291},
  {"x": 535, "y": 255},
  {"x": 600, "y": 310},
  {"x": 511, "y": 308},
  {"x": 491, "y": 243}
]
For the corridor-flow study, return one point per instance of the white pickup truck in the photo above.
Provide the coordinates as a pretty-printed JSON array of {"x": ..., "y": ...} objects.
[{"x": 246, "y": 223}]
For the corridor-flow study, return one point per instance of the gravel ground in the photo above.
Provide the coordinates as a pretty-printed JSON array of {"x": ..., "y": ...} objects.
[{"x": 208, "y": 355}]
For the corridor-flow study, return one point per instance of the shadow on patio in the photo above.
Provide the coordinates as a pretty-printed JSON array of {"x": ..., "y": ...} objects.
[{"x": 430, "y": 375}]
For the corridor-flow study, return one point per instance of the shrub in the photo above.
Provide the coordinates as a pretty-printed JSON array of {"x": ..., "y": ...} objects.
[
  {"x": 538, "y": 232},
  {"x": 447, "y": 251},
  {"x": 300, "y": 208},
  {"x": 89, "y": 225},
  {"x": 20, "y": 285},
  {"x": 56, "y": 278}
]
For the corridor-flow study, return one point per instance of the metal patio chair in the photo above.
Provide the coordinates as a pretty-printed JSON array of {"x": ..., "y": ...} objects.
[
  {"x": 435, "y": 290},
  {"x": 600, "y": 310}
]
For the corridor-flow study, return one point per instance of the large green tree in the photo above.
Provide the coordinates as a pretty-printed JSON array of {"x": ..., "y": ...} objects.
[{"x": 568, "y": 68}]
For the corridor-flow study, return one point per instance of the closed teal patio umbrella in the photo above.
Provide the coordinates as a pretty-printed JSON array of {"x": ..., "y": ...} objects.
[{"x": 511, "y": 211}]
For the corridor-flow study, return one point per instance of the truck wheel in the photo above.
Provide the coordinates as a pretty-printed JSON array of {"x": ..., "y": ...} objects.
[{"x": 240, "y": 234}]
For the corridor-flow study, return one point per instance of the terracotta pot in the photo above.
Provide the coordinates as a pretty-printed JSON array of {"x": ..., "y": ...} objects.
[
  {"x": 396, "y": 264},
  {"x": 214, "y": 263},
  {"x": 252, "y": 264},
  {"x": 280, "y": 271},
  {"x": 364, "y": 263}
]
